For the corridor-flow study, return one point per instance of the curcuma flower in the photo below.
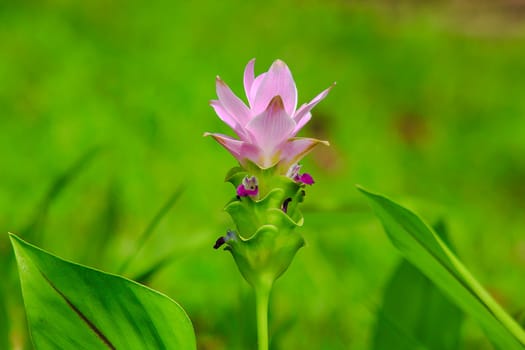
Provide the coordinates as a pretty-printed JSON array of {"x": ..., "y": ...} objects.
[
  {"x": 268, "y": 126},
  {"x": 269, "y": 186}
]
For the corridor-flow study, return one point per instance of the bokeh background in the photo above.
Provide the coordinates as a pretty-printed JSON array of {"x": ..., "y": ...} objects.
[{"x": 102, "y": 110}]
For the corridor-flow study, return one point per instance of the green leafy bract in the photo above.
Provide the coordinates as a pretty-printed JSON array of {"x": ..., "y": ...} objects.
[
  {"x": 70, "y": 306},
  {"x": 425, "y": 250}
]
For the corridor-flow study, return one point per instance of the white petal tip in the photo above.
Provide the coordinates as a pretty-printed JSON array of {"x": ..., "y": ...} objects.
[
  {"x": 279, "y": 63},
  {"x": 328, "y": 89}
]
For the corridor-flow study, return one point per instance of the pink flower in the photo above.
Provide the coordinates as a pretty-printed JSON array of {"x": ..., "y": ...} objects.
[{"x": 266, "y": 129}]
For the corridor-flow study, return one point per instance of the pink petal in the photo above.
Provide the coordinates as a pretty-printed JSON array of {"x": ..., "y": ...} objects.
[
  {"x": 239, "y": 149},
  {"x": 228, "y": 118},
  {"x": 249, "y": 77},
  {"x": 302, "y": 122},
  {"x": 304, "y": 111},
  {"x": 250, "y": 152},
  {"x": 254, "y": 88},
  {"x": 277, "y": 82},
  {"x": 295, "y": 149},
  {"x": 232, "y": 104},
  {"x": 232, "y": 145},
  {"x": 272, "y": 127}
]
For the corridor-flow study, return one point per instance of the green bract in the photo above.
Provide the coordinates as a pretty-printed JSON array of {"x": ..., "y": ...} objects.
[{"x": 265, "y": 241}]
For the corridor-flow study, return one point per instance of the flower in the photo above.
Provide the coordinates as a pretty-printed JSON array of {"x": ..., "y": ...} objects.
[
  {"x": 304, "y": 178},
  {"x": 230, "y": 235},
  {"x": 267, "y": 128},
  {"x": 248, "y": 187}
]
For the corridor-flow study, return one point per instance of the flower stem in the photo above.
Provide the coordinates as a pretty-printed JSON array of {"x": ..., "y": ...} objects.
[{"x": 262, "y": 296}]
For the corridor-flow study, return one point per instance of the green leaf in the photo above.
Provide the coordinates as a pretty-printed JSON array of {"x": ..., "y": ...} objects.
[
  {"x": 425, "y": 250},
  {"x": 415, "y": 314},
  {"x": 70, "y": 306}
]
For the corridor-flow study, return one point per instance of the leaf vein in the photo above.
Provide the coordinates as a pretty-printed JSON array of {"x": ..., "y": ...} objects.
[{"x": 79, "y": 313}]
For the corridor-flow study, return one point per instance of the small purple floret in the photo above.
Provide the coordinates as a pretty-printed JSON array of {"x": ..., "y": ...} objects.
[
  {"x": 221, "y": 240},
  {"x": 305, "y": 178},
  {"x": 243, "y": 192},
  {"x": 285, "y": 204},
  {"x": 248, "y": 187},
  {"x": 293, "y": 173}
]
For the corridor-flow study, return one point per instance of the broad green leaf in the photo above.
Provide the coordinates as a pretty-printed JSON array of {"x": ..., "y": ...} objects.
[
  {"x": 415, "y": 314},
  {"x": 70, "y": 306},
  {"x": 425, "y": 250}
]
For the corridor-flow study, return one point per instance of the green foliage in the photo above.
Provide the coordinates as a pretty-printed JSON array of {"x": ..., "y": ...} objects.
[
  {"x": 70, "y": 306},
  {"x": 428, "y": 104},
  {"x": 425, "y": 250},
  {"x": 415, "y": 314}
]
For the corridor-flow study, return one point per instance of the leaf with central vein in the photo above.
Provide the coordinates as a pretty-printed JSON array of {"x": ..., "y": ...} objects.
[
  {"x": 426, "y": 251},
  {"x": 70, "y": 306}
]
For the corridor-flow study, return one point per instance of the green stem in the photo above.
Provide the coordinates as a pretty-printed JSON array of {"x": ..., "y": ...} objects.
[{"x": 262, "y": 296}]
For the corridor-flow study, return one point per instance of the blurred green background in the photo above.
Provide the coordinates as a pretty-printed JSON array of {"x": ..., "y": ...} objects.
[{"x": 102, "y": 110}]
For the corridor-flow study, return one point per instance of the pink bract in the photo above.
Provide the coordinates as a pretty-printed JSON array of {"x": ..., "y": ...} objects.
[{"x": 268, "y": 126}]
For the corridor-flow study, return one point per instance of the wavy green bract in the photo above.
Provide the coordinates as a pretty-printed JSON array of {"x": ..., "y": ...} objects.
[{"x": 266, "y": 241}]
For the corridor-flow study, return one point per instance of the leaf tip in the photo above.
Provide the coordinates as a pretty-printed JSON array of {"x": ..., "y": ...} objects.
[
  {"x": 18, "y": 243},
  {"x": 360, "y": 188},
  {"x": 363, "y": 190},
  {"x": 13, "y": 237}
]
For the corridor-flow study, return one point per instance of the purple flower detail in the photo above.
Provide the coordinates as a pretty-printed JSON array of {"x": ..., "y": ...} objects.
[
  {"x": 285, "y": 204},
  {"x": 219, "y": 242},
  {"x": 223, "y": 239},
  {"x": 248, "y": 187},
  {"x": 268, "y": 126},
  {"x": 305, "y": 178}
]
